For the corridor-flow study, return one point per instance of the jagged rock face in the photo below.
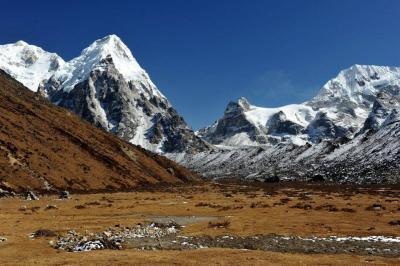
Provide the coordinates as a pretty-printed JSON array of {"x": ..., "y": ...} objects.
[
  {"x": 106, "y": 86},
  {"x": 234, "y": 122},
  {"x": 385, "y": 109},
  {"x": 278, "y": 124},
  {"x": 322, "y": 127}
]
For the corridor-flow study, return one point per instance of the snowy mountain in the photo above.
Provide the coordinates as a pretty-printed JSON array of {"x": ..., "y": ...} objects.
[
  {"x": 349, "y": 132},
  {"x": 244, "y": 124},
  {"x": 106, "y": 86},
  {"x": 28, "y": 64},
  {"x": 372, "y": 156},
  {"x": 339, "y": 110}
]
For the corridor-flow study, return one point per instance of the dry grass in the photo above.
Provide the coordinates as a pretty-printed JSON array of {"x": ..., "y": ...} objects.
[{"x": 17, "y": 225}]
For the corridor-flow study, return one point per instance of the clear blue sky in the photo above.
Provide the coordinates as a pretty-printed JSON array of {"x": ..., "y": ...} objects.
[{"x": 202, "y": 54}]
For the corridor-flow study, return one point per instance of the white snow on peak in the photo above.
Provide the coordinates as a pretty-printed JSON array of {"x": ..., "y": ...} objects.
[
  {"x": 92, "y": 58},
  {"x": 298, "y": 113},
  {"x": 356, "y": 80},
  {"x": 31, "y": 65},
  {"x": 28, "y": 64}
]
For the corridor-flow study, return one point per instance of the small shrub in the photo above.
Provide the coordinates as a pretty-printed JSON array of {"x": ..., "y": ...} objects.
[
  {"x": 219, "y": 224},
  {"x": 201, "y": 204},
  {"x": 395, "y": 222},
  {"x": 225, "y": 208},
  {"x": 92, "y": 203},
  {"x": 44, "y": 233},
  {"x": 347, "y": 210},
  {"x": 327, "y": 207},
  {"x": 285, "y": 200},
  {"x": 35, "y": 208},
  {"x": 51, "y": 207},
  {"x": 302, "y": 206}
]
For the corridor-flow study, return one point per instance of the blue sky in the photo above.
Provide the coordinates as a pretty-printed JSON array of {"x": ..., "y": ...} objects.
[{"x": 202, "y": 54}]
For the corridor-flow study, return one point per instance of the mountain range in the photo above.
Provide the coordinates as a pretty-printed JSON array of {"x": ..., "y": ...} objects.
[{"x": 346, "y": 133}]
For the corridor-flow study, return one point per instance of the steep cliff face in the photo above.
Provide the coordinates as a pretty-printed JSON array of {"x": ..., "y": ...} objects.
[
  {"x": 385, "y": 109},
  {"x": 107, "y": 87}
]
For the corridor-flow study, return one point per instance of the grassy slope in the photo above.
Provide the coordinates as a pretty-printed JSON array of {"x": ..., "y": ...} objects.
[{"x": 41, "y": 143}]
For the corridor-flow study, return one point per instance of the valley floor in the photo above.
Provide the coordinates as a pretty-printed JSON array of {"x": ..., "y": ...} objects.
[{"x": 230, "y": 209}]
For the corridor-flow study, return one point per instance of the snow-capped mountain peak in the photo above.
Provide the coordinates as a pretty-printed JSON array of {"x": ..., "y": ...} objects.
[
  {"x": 29, "y": 64},
  {"x": 357, "y": 83},
  {"x": 101, "y": 53},
  {"x": 112, "y": 47}
]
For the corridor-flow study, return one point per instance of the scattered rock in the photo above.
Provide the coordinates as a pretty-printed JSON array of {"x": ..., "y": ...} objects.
[
  {"x": 30, "y": 195},
  {"x": 6, "y": 193},
  {"x": 164, "y": 236},
  {"x": 112, "y": 238},
  {"x": 64, "y": 195}
]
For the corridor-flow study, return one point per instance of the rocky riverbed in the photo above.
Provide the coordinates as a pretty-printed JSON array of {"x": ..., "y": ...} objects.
[{"x": 167, "y": 236}]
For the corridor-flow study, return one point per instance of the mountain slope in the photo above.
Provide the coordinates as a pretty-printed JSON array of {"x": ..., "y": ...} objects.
[
  {"x": 44, "y": 147},
  {"x": 372, "y": 157},
  {"x": 106, "y": 86}
]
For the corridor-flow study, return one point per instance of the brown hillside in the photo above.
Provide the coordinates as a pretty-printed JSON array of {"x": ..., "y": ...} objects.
[{"x": 44, "y": 147}]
